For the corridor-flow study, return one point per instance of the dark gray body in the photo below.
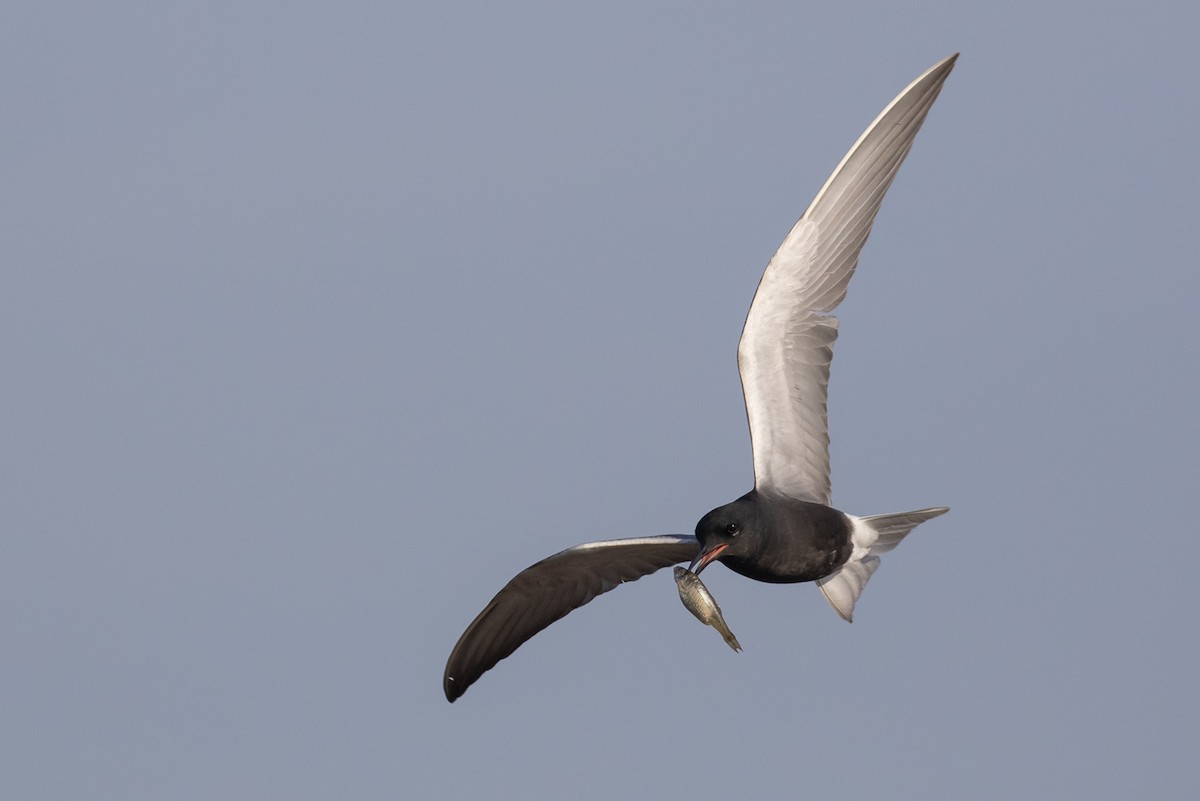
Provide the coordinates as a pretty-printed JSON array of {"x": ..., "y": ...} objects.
[{"x": 779, "y": 539}]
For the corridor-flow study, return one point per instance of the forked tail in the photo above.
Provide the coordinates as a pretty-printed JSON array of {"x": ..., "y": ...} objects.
[{"x": 871, "y": 536}]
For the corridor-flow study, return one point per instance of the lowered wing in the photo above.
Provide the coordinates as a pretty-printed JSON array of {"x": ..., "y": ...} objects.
[{"x": 544, "y": 592}]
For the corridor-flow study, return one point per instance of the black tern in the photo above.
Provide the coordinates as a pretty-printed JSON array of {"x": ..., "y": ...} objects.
[{"x": 784, "y": 530}]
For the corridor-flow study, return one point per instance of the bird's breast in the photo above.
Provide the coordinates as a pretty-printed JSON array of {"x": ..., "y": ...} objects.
[{"x": 806, "y": 565}]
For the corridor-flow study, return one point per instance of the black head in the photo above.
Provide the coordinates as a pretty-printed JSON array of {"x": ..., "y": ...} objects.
[{"x": 728, "y": 530}]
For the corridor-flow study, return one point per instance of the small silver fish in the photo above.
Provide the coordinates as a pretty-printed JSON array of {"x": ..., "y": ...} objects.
[{"x": 699, "y": 602}]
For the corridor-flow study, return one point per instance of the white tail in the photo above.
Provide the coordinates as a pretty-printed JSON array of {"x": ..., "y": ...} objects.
[{"x": 871, "y": 536}]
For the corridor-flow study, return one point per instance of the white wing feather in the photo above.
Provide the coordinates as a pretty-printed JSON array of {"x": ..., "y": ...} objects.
[{"x": 787, "y": 343}]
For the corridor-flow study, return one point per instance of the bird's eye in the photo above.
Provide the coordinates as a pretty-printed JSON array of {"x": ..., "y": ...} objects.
[{"x": 732, "y": 529}]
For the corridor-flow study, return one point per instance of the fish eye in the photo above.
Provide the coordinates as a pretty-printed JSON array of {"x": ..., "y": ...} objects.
[{"x": 732, "y": 529}]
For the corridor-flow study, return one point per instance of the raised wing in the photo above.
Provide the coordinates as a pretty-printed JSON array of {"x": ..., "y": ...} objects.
[
  {"x": 787, "y": 343},
  {"x": 548, "y": 590}
]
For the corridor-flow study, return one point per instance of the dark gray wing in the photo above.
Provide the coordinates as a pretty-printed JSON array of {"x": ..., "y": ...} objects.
[{"x": 548, "y": 590}]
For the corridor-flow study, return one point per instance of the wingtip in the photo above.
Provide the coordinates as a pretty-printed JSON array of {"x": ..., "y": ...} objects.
[
  {"x": 939, "y": 71},
  {"x": 947, "y": 63},
  {"x": 451, "y": 688}
]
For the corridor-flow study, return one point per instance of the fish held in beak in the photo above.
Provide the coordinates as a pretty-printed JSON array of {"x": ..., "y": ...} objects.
[{"x": 699, "y": 602}]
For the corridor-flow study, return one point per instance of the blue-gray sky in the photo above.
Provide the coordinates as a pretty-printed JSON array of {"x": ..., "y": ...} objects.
[{"x": 320, "y": 321}]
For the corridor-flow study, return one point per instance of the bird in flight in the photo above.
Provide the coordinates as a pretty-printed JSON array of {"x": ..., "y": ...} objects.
[{"x": 784, "y": 530}]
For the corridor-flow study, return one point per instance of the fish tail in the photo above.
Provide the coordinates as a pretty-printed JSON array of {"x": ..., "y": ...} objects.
[{"x": 721, "y": 626}]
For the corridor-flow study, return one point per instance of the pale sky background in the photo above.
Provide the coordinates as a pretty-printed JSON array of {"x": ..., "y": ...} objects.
[{"x": 320, "y": 321}]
